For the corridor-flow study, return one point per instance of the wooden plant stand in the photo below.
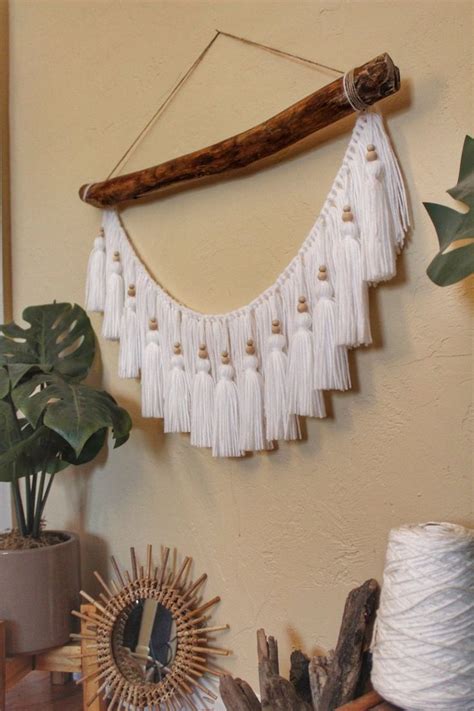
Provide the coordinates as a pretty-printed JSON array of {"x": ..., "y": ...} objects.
[{"x": 60, "y": 662}]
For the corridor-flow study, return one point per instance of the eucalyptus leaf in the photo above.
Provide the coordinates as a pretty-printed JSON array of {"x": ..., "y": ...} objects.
[
  {"x": 449, "y": 267},
  {"x": 59, "y": 338}
]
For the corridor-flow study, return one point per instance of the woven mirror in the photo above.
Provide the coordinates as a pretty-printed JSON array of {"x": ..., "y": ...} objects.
[{"x": 149, "y": 638}]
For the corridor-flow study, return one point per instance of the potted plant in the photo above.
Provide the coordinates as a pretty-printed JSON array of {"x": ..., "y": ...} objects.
[{"x": 49, "y": 419}]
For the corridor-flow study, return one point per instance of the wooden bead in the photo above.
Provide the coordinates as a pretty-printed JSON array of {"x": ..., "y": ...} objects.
[
  {"x": 371, "y": 147},
  {"x": 371, "y": 155},
  {"x": 276, "y": 326},
  {"x": 347, "y": 216},
  {"x": 250, "y": 348},
  {"x": 302, "y": 299},
  {"x": 102, "y": 232},
  {"x": 302, "y": 307},
  {"x": 250, "y": 342},
  {"x": 177, "y": 348},
  {"x": 346, "y": 208},
  {"x": 116, "y": 257},
  {"x": 323, "y": 275},
  {"x": 203, "y": 352},
  {"x": 131, "y": 290},
  {"x": 202, "y": 347},
  {"x": 275, "y": 322},
  {"x": 225, "y": 359},
  {"x": 153, "y": 324}
]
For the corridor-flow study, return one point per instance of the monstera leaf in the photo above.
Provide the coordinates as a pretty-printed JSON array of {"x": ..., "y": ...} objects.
[
  {"x": 76, "y": 412},
  {"x": 59, "y": 338},
  {"x": 452, "y": 265}
]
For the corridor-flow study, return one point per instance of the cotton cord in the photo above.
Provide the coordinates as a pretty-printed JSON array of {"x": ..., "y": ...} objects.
[
  {"x": 351, "y": 92},
  {"x": 423, "y": 648}
]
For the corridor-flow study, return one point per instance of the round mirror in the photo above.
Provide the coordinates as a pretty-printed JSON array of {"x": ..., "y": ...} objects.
[{"x": 152, "y": 638}]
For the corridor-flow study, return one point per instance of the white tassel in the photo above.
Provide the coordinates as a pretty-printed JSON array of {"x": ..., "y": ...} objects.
[
  {"x": 202, "y": 407},
  {"x": 300, "y": 364},
  {"x": 225, "y": 440},
  {"x": 353, "y": 327},
  {"x": 378, "y": 248},
  {"x": 129, "y": 338},
  {"x": 279, "y": 425},
  {"x": 331, "y": 368},
  {"x": 178, "y": 397},
  {"x": 95, "y": 282},
  {"x": 152, "y": 374},
  {"x": 113, "y": 301},
  {"x": 252, "y": 428}
]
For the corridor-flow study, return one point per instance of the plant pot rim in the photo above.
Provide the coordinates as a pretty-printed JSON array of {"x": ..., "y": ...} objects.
[{"x": 23, "y": 551}]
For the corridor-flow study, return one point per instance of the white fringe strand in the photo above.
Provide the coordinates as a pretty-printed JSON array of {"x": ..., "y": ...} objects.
[
  {"x": 129, "y": 340},
  {"x": 178, "y": 398},
  {"x": 225, "y": 440},
  {"x": 113, "y": 301},
  {"x": 331, "y": 368},
  {"x": 152, "y": 376},
  {"x": 252, "y": 424},
  {"x": 202, "y": 406},
  {"x": 95, "y": 281}
]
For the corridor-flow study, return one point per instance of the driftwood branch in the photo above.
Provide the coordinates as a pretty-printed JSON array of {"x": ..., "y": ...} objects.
[
  {"x": 374, "y": 80},
  {"x": 356, "y": 626},
  {"x": 238, "y": 695},
  {"x": 318, "y": 671},
  {"x": 299, "y": 675}
]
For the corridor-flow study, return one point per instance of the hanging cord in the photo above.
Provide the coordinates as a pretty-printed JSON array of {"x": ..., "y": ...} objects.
[{"x": 220, "y": 33}]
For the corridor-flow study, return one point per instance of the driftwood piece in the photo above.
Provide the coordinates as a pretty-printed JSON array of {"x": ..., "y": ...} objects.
[
  {"x": 374, "y": 80},
  {"x": 299, "y": 675},
  {"x": 280, "y": 695},
  {"x": 318, "y": 671},
  {"x": 237, "y": 695},
  {"x": 358, "y": 617},
  {"x": 268, "y": 666}
]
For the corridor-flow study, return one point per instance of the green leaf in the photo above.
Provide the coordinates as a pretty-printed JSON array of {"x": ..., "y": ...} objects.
[
  {"x": 59, "y": 338},
  {"x": 15, "y": 454},
  {"x": 464, "y": 189},
  {"x": 4, "y": 383},
  {"x": 452, "y": 226},
  {"x": 451, "y": 267},
  {"x": 71, "y": 409}
]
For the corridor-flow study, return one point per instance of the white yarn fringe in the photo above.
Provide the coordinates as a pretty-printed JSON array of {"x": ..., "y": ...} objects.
[
  {"x": 114, "y": 301},
  {"x": 178, "y": 398},
  {"x": 331, "y": 367},
  {"x": 202, "y": 407},
  {"x": 152, "y": 377},
  {"x": 95, "y": 281},
  {"x": 252, "y": 424},
  {"x": 267, "y": 391},
  {"x": 129, "y": 341},
  {"x": 226, "y": 439}
]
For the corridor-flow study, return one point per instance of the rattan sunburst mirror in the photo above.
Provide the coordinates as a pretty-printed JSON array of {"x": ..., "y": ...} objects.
[{"x": 150, "y": 638}]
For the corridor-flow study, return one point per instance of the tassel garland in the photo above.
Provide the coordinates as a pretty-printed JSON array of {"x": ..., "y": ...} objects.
[
  {"x": 129, "y": 338},
  {"x": 252, "y": 428},
  {"x": 178, "y": 397},
  {"x": 95, "y": 281},
  {"x": 225, "y": 440},
  {"x": 285, "y": 350},
  {"x": 114, "y": 299},
  {"x": 152, "y": 374},
  {"x": 331, "y": 368},
  {"x": 202, "y": 408}
]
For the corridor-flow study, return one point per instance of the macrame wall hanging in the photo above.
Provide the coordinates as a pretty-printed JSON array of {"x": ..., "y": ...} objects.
[{"x": 240, "y": 381}]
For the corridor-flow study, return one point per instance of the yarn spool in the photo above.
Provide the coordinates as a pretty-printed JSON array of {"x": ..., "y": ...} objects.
[{"x": 423, "y": 647}]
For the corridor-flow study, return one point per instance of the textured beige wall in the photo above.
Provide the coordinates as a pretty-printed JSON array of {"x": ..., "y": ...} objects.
[{"x": 284, "y": 536}]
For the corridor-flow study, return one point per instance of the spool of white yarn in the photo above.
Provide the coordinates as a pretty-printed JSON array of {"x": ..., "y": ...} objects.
[{"x": 423, "y": 647}]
